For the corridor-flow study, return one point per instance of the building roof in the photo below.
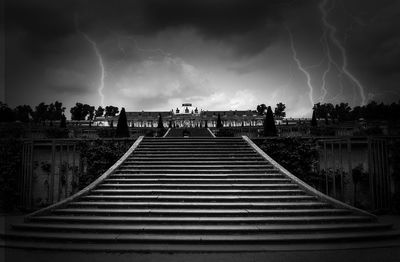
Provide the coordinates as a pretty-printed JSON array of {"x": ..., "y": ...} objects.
[
  {"x": 230, "y": 113},
  {"x": 139, "y": 114}
]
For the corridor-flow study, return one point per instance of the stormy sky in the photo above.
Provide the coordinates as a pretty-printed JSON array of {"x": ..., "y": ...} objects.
[{"x": 215, "y": 54}]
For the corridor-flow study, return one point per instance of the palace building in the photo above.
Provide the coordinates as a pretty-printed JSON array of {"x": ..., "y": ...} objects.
[{"x": 190, "y": 116}]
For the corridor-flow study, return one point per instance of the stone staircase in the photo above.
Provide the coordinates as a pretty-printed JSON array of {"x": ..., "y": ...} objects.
[
  {"x": 196, "y": 191},
  {"x": 190, "y": 132}
]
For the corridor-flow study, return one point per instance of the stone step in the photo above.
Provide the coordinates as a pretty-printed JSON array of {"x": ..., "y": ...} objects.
[
  {"x": 209, "y": 151},
  {"x": 227, "y": 145},
  {"x": 199, "y": 175},
  {"x": 192, "y": 132},
  {"x": 185, "y": 183},
  {"x": 229, "y": 162},
  {"x": 200, "y": 212},
  {"x": 118, "y": 195},
  {"x": 200, "y": 220},
  {"x": 196, "y": 171},
  {"x": 201, "y": 152},
  {"x": 195, "y": 180},
  {"x": 194, "y": 142},
  {"x": 190, "y": 158},
  {"x": 114, "y": 203},
  {"x": 195, "y": 145},
  {"x": 198, "y": 166},
  {"x": 191, "y": 138},
  {"x": 200, "y": 186},
  {"x": 212, "y": 155},
  {"x": 200, "y": 238},
  {"x": 224, "y": 229},
  {"x": 157, "y": 139},
  {"x": 215, "y": 192},
  {"x": 192, "y": 149}
]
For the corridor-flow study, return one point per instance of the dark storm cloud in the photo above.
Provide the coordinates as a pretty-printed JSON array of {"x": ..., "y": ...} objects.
[
  {"x": 41, "y": 24},
  {"x": 247, "y": 25},
  {"x": 375, "y": 45},
  {"x": 213, "y": 18},
  {"x": 75, "y": 89},
  {"x": 41, "y": 34}
]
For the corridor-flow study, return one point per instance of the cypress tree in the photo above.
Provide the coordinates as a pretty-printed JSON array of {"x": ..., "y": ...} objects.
[
  {"x": 63, "y": 122},
  {"x": 269, "y": 124},
  {"x": 314, "y": 119},
  {"x": 219, "y": 122},
  {"x": 122, "y": 126},
  {"x": 160, "y": 122}
]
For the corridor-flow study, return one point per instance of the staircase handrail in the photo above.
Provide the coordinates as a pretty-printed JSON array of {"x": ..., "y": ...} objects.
[
  {"x": 91, "y": 185},
  {"x": 304, "y": 185}
]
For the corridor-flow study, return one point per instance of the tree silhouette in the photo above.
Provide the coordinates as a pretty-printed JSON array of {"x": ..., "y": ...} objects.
[
  {"x": 99, "y": 112},
  {"x": 23, "y": 113},
  {"x": 280, "y": 110},
  {"x": 122, "y": 126},
  {"x": 6, "y": 113},
  {"x": 160, "y": 122},
  {"x": 90, "y": 110},
  {"x": 269, "y": 124},
  {"x": 343, "y": 111},
  {"x": 261, "y": 109},
  {"x": 63, "y": 122},
  {"x": 79, "y": 112},
  {"x": 111, "y": 111},
  {"x": 40, "y": 114},
  {"x": 314, "y": 119},
  {"x": 219, "y": 122}
]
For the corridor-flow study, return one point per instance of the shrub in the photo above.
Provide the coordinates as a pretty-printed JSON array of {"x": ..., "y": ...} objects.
[
  {"x": 106, "y": 132},
  {"x": 10, "y": 162},
  {"x": 297, "y": 155},
  {"x": 56, "y": 132},
  {"x": 99, "y": 156}
]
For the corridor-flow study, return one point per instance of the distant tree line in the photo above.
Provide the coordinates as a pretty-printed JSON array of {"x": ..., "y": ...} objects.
[
  {"x": 343, "y": 112},
  {"x": 54, "y": 111},
  {"x": 86, "y": 112},
  {"x": 330, "y": 113},
  {"x": 24, "y": 113}
]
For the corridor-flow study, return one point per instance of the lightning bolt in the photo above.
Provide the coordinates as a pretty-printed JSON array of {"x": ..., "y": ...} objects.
[
  {"x": 337, "y": 96},
  {"x": 99, "y": 57},
  {"x": 327, "y": 50},
  {"x": 324, "y": 88},
  {"x": 331, "y": 29},
  {"x": 301, "y": 68}
]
